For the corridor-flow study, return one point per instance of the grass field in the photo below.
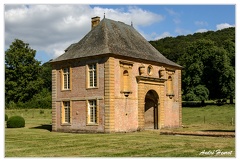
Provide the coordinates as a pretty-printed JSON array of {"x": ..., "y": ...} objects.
[{"x": 36, "y": 139}]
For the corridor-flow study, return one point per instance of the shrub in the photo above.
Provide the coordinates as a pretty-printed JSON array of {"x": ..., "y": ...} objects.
[
  {"x": 191, "y": 104},
  {"x": 6, "y": 117},
  {"x": 220, "y": 102},
  {"x": 12, "y": 105},
  {"x": 15, "y": 122}
]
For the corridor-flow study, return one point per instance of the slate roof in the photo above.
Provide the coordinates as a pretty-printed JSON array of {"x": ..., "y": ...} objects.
[{"x": 114, "y": 37}]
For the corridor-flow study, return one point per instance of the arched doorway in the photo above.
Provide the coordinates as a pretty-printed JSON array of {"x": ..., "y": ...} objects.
[{"x": 151, "y": 110}]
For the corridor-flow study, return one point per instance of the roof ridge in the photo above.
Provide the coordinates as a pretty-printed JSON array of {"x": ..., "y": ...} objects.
[{"x": 105, "y": 34}]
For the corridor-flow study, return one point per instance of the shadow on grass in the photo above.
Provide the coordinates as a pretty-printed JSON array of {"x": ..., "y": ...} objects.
[
  {"x": 218, "y": 130},
  {"x": 44, "y": 126}
]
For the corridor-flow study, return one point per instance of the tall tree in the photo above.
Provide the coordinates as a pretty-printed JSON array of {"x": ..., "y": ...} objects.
[
  {"x": 208, "y": 72},
  {"x": 22, "y": 79},
  {"x": 222, "y": 65},
  {"x": 209, "y": 66},
  {"x": 193, "y": 63},
  {"x": 46, "y": 75}
]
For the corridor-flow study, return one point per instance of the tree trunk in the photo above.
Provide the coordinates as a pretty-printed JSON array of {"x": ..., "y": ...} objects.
[
  {"x": 202, "y": 103},
  {"x": 231, "y": 99}
]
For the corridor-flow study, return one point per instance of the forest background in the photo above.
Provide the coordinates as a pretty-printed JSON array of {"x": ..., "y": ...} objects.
[{"x": 208, "y": 61}]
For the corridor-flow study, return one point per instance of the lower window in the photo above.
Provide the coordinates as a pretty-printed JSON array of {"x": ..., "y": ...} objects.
[
  {"x": 92, "y": 112},
  {"x": 66, "y": 112}
]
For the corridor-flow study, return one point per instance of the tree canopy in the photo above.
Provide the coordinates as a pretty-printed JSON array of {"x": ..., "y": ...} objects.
[
  {"x": 21, "y": 72},
  {"x": 24, "y": 76},
  {"x": 208, "y": 60}
]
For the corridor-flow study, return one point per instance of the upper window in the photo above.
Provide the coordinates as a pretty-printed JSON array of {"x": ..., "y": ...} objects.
[
  {"x": 92, "y": 112},
  {"x": 66, "y": 78},
  {"x": 92, "y": 74}
]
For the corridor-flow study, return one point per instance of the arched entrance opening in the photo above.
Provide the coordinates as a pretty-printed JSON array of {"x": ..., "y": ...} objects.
[{"x": 151, "y": 110}]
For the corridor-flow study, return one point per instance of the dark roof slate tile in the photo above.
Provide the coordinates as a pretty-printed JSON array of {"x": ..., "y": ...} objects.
[{"x": 114, "y": 37}]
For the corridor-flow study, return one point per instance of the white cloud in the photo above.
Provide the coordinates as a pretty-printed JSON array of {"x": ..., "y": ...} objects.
[
  {"x": 201, "y": 30},
  {"x": 163, "y": 35},
  {"x": 201, "y": 23},
  {"x": 138, "y": 16},
  {"x": 181, "y": 31},
  {"x": 52, "y": 28},
  {"x": 176, "y": 16},
  {"x": 46, "y": 27},
  {"x": 153, "y": 36},
  {"x": 172, "y": 12},
  {"x": 223, "y": 26},
  {"x": 176, "y": 20}
]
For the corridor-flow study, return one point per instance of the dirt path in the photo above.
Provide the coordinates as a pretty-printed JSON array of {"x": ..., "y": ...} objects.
[{"x": 200, "y": 133}]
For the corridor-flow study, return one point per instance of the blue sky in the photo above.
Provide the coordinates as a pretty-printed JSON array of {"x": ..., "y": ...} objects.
[
  {"x": 187, "y": 19},
  {"x": 50, "y": 29}
]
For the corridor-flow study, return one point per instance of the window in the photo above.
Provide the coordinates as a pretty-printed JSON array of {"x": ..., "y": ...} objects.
[
  {"x": 92, "y": 73},
  {"x": 66, "y": 78},
  {"x": 92, "y": 112},
  {"x": 66, "y": 112}
]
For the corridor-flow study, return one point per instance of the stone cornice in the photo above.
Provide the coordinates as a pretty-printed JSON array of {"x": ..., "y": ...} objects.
[{"x": 144, "y": 79}]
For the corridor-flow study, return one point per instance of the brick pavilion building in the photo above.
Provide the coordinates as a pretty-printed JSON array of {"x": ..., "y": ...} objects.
[{"x": 114, "y": 80}]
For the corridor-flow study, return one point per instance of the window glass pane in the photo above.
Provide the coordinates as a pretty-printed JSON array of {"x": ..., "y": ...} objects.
[
  {"x": 91, "y": 114},
  {"x": 92, "y": 75},
  {"x": 91, "y": 78},
  {"x": 65, "y": 81},
  {"x": 66, "y": 78},
  {"x": 68, "y": 81},
  {"x": 95, "y": 79},
  {"x": 66, "y": 105},
  {"x": 93, "y": 111}
]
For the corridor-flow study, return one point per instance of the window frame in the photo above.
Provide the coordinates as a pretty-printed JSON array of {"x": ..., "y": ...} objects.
[
  {"x": 94, "y": 78},
  {"x": 63, "y": 113},
  {"x": 90, "y": 120},
  {"x": 69, "y": 79}
]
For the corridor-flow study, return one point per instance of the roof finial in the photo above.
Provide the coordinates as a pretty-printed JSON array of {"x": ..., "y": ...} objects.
[{"x": 104, "y": 15}]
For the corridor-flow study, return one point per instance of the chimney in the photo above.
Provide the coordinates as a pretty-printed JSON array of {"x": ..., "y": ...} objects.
[{"x": 95, "y": 21}]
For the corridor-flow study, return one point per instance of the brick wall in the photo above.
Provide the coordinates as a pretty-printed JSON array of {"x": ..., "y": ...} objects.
[
  {"x": 78, "y": 95},
  {"x": 117, "y": 113}
]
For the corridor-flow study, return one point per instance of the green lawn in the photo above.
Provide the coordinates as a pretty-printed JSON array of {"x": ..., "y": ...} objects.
[
  {"x": 35, "y": 140},
  {"x": 210, "y": 118}
]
